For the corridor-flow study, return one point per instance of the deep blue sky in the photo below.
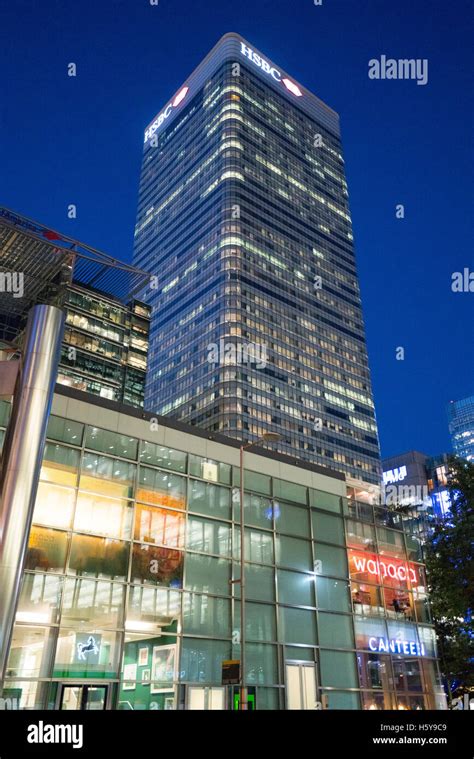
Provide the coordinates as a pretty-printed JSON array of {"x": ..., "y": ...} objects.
[{"x": 66, "y": 140}]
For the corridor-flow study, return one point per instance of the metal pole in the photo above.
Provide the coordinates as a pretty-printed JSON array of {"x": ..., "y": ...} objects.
[
  {"x": 23, "y": 454},
  {"x": 243, "y": 690}
]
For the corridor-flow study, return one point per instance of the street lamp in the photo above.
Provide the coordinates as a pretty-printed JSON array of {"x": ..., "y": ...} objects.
[{"x": 266, "y": 437}]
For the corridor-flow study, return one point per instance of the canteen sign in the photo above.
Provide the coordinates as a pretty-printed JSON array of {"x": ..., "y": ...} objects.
[
  {"x": 166, "y": 112},
  {"x": 270, "y": 70},
  {"x": 404, "y": 647},
  {"x": 374, "y": 568}
]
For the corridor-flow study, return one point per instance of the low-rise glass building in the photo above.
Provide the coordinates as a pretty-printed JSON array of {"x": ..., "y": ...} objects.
[{"x": 127, "y": 599}]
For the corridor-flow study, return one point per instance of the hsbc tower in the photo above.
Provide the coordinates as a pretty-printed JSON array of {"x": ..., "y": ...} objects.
[{"x": 243, "y": 219}]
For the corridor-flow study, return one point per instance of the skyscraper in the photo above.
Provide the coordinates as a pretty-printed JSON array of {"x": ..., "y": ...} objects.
[
  {"x": 243, "y": 217},
  {"x": 461, "y": 427}
]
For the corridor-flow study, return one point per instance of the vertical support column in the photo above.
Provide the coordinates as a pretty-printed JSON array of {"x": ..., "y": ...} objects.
[
  {"x": 243, "y": 689},
  {"x": 23, "y": 454}
]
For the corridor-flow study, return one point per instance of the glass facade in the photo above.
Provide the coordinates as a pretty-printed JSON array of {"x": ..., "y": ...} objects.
[
  {"x": 105, "y": 346},
  {"x": 243, "y": 212},
  {"x": 128, "y": 590},
  {"x": 394, "y": 637}
]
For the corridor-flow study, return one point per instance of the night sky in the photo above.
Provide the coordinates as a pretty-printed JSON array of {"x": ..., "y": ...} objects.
[{"x": 79, "y": 140}]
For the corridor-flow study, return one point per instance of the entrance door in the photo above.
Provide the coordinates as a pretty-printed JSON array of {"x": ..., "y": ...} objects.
[
  {"x": 83, "y": 697},
  {"x": 301, "y": 686},
  {"x": 200, "y": 698}
]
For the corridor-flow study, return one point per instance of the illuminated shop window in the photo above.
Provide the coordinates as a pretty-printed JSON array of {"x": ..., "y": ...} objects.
[
  {"x": 410, "y": 703},
  {"x": 422, "y": 606},
  {"x": 112, "y": 477},
  {"x": 360, "y": 535},
  {"x": 98, "y": 557},
  {"x": 30, "y": 651},
  {"x": 151, "y": 608},
  {"x": 54, "y": 505},
  {"x": 103, "y": 516},
  {"x": 46, "y": 550},
  {"x": 39, "y": 599},
  {"x": 161, "y": 488},
  {"x": 91, "y": 653},
  {"x": 367, "y": 599},
  {"x": 390, "y": 542},
  {"x": 407, "y": 674},
  {"x": 156, "y": 525},
  {"x": 94, "y": 603},
  {"x": 367, "y": 628},
  {"x": 375, "y": 671},
  {"x": 60, "y": 464},
  {"x": 149, "y": 671},
  {"x": 399, "y": 604},
  {"x": 377, "y": 700},
  {"x": 26, "y": 694}
]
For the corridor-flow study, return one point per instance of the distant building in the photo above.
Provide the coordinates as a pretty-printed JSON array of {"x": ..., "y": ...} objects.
[
  {"x": 106, "y": 332},
  {"x": 461, "y": 427},
  {"x": 105, "y": 345},
  {"x": 420, "y": 484}
]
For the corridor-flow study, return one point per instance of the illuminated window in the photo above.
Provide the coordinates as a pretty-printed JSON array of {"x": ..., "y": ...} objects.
[
  {"x": 156, "y": 525},
  {"x": 104, "y": 516}
]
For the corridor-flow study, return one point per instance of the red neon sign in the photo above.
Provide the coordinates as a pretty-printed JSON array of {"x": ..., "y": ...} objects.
[{"x": 382, "y": 567}]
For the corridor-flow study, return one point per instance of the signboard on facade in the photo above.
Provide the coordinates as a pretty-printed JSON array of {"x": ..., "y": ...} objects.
[
  {"x": 230, "y": 672},
  {"x": 383, "y": 569}
]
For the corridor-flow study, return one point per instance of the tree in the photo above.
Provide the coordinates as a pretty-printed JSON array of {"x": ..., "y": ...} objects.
[{"x": 450, "y": 568}]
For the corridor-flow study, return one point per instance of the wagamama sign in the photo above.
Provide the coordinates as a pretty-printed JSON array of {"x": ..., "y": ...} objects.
[{"x": 362, "y": 563}]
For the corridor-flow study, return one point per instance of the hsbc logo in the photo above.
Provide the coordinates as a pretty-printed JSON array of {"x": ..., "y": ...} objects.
[
  {"x": 167, "y": 111},
  {"x": 259, "y": 61}
]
